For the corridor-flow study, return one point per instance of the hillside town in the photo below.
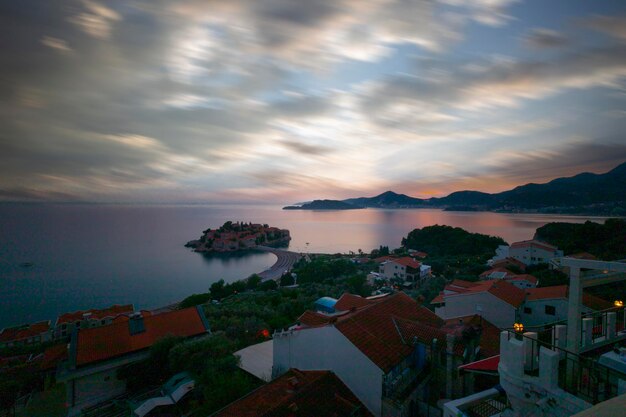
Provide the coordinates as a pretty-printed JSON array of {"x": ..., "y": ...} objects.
[{"x": 345, "y": 335}]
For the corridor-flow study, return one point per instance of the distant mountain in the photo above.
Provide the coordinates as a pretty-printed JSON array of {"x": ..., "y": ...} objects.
[
  {"x": 324, "y": 205},
  {"x": 586, "y": 193},
  {"x": 388, "y": 199}
]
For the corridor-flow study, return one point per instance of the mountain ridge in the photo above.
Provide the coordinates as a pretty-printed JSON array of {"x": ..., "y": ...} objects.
[{"x": 584, "y": 193}]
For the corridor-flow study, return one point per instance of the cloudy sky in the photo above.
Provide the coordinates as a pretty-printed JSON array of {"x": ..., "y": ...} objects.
[{"x": 289, "y": 100}]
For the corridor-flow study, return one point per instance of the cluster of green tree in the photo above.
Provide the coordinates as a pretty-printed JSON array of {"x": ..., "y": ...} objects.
[
  {"x": 209, "y": 360},
  {"x": 606, "y": 241},
  {"x": 17, "y": 381},
  {"x": 323, "y": 268},
  {"x": 381, "y": 251},
  {"x": 547, "y": 276},
  {"x": 451, "y": 241}
]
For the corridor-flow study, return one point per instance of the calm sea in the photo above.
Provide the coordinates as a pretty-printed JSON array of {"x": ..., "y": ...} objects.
[{"x": 86, "y": 256}]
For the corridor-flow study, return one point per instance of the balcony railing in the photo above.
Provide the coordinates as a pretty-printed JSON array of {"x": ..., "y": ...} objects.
[
  {"x": 581, "y": 376},
  {"x": 404, "y": 383}
]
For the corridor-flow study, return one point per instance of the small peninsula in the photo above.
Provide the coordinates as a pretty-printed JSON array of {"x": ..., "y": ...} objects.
[
  {"x": 231, "y": 237},
  {"x": 324, "y": 205}
]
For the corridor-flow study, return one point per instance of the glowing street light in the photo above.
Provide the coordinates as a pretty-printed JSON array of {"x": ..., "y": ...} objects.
[
  {"x": 618, "y": 303},
  {"x": 518, "y": 327}
]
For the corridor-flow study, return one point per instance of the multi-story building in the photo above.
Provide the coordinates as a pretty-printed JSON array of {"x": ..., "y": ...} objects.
[
  {"x": 26, "y": 334},
  {"x": 406, "y": 269},
  {"x": 66, "y": 323},
  {"x": 533, "y": 252},
  {"x": 395, "y": 355},
  {"x": 498, "y": 301},
  {"x": 95, "y": 354},
  {"x": 572, "y": 368}
]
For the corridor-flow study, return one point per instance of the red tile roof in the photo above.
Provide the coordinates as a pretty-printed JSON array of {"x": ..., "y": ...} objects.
[
  {"x": 534, "y": 243},
  {"x": 52, "y": 356},
  {"x": 298, "y": 393},
  {"x": 561, "y": 292},
  {"x": 373, "y": 331},
  {"x": 106, "y": 342},
  {"x": 349, "y": 301},
  {"x": 524, "y": 277},
  {"x": 505, "y": 291},
  {"x": 490, "y": 334},
  {"x": 313, "y": 318},
  {"x": 583, "y": 255},
  {"x": 24, "y": 332},
  {"x": 496, "y": 270},
  {"x": 96, "y": 314},
  {"x": 544, "y": 293},
  {"x": 407, "y": 261},
  {"x": 504, "y": 263}
]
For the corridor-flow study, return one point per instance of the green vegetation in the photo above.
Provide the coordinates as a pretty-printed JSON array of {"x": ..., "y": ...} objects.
[
  {"x": 451, "y": 241},
  {"x": 209, "y": 359},
  {"x": 605, "y": 241}
]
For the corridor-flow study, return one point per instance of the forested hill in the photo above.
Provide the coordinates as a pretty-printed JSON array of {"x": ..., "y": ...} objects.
[
  {"x": 605, "y": 241},
  {"x": 586, "y": 193}
]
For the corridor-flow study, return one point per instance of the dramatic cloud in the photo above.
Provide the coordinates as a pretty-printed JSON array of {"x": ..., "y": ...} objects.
[
  {"x": 196, "y": 100},
  {"x": 545, "y": 38}
]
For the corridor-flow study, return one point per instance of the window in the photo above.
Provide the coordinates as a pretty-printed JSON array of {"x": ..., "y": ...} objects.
[
  {"x": 479, "y": 307},
  {"x": 550, "y": 310},
  {"x": 528, "y": 310}
]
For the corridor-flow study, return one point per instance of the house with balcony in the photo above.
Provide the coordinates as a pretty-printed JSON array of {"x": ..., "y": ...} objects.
[
  {"x": 95, "y": 354},
  {"x": 533, "y": 252},
  {"x": 406, "y": 269},
  {"x": 67, "y": 322},
  {"x": 574, "y": 367},
  {"x": 550, "y": 304},
  {"x": 395, "y": 355},
  {"x": 496, "y": 300}
]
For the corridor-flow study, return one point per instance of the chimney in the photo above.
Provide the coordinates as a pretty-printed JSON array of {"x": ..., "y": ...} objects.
[{"x": 135, "y": 324}]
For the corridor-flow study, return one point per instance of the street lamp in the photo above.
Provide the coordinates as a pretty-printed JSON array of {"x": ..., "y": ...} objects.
[
  {"x": 518, "y": 327},
  {"x": 618, "y": 303}
]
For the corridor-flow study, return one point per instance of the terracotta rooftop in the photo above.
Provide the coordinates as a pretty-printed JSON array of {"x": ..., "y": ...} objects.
[
  {"x": 24, "y": 332},
  {"x": 534, "y": 243},
  {"x": 373, "y": 331},
  {"x": 561, "y": 292},
  {"x": 505, "y": 291},
  {"x": 503, "y": 263},
  {"x": 298, "y": 394},
  {"x": 524, "y": 277},
  {"x": 349, "y": 301},
  {"x": 96, "y": 314},
  {"x": 490, "y": 336},
  {"x": 406, "y": 261},
  {"x": 107, "y": 342},
  {"x": 498, "y": 272},
  {"x": 52, "y": 356}
]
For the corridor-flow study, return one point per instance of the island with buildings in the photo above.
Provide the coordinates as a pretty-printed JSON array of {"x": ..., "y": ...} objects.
[{"x": 235, "y": 236}]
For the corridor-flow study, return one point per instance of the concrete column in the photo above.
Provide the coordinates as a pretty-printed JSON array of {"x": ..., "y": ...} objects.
[
  {"x": 548, "y": 368},
  {"x": 610, "y": 325},
  {"x": 449, "y": 367},
  {"x": 559, "y": 337},
  {"x": 516, "y": 351},
  {"x": 531, "y": 353},
  {"x": 587, "y": 331},
  {"x": 575, "y": 299}
]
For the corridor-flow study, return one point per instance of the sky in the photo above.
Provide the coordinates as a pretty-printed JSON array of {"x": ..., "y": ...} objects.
[{"x": 280, "y": 101}]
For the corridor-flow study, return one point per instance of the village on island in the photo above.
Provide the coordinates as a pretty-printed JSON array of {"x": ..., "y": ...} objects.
[
  {"x": 236, "y": 236},
  {"x": 450, "y": 324}
]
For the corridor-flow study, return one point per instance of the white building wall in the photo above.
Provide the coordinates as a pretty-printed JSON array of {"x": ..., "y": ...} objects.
[
  {"x": 487, "y": 305},
  {"x": 531, "y": 255},
  {"x": 538, "y": 315},
  {"x": 326, "y": 348},
  {"x": 390, "y": 269}
]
